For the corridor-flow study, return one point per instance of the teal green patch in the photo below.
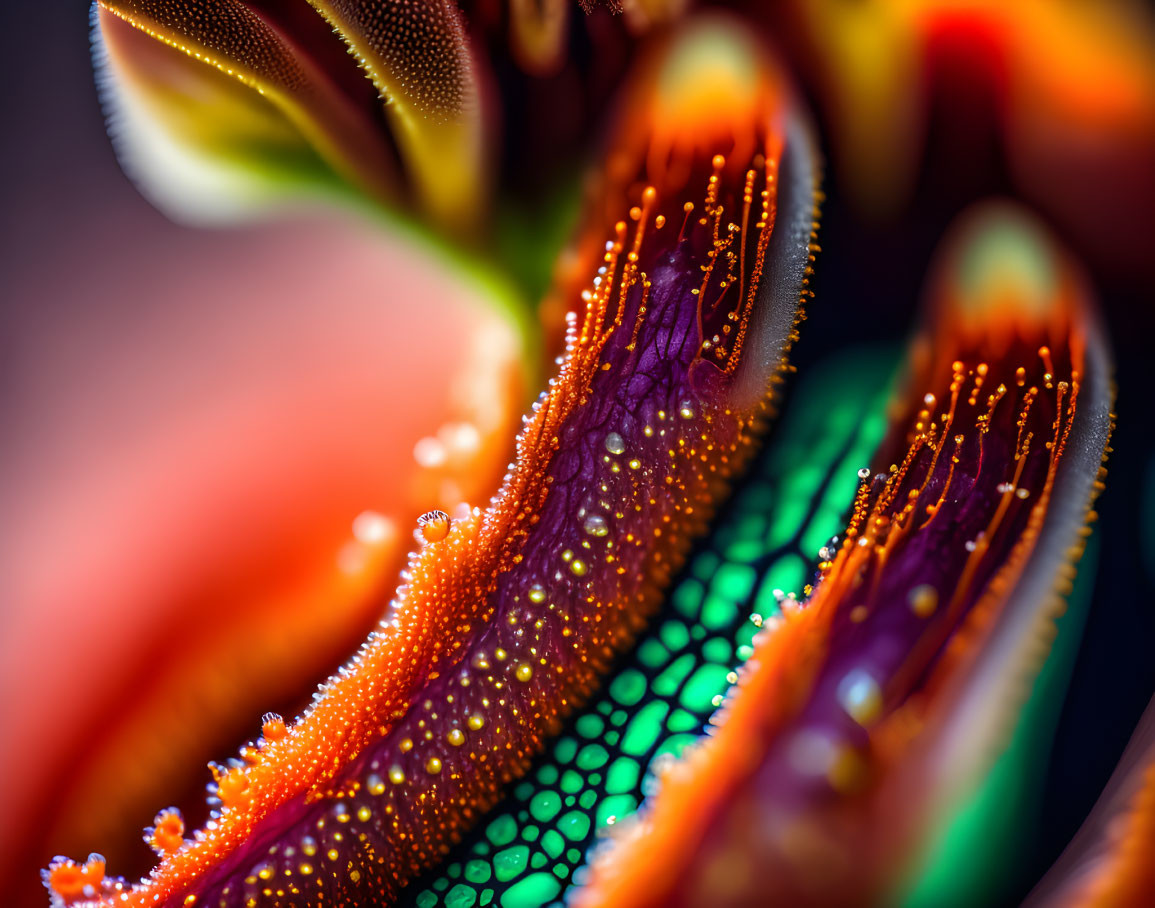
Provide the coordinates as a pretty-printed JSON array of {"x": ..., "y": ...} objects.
[
  {"x": 565, "y": 750},
  {"x": 623, "y": 775},
  {"x": 787, "y": 519},
  {"x": 509, "y": 862},
  {"x": 668, "y": 682},
  {"x": 680, "y": 721},
  {"x": 478, "y": 871},
  {"x": 547, "y": 775},
  {"x": 675, "y": 635},
  {"x": 545, "y": 806},
  {"x": 427, "y": 899},
  {"x": 535, "y": 890},
  {"x": 614, "y": 808},
  {"x": 734, "y": 581},
  {"x": 706, "y": 565},
  {"x": 787, "y": 575},
  {"x": 502, "y": 831},
  {"x": 591, "y": 757},
  {"x": 645, "y": 728},
  {"x": 553, "y": 843},
  {"x": 628, "y": 687},
  {"x": 652, "y": 654},
  {"x": 590, "y": 725},
  {"x": 572, "y": 782},
  {"x": 718, "y": 612},
  {"x": 718, "y": 650},
  {"x": 687, "y": 598},
  {"x": 706, "y": 683},
  {"x": 461, "y": 896},
  {"x": 574, "y": 825},
  {"x": 674, "y": 745}
]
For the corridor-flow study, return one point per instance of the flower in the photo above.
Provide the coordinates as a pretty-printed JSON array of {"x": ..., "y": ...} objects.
[{"x": 239, "y": 107}]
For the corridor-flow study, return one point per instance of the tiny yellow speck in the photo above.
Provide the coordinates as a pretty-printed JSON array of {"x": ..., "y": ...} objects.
[
  {"x": 525, "y": 671},
  {"x": 455, "y": 737},
  {"x": 476, "y": 722},
  {"x": 578, "y": 567},
  {"x": 923, "y": 600},
  {"x": 433, "y": 766}
]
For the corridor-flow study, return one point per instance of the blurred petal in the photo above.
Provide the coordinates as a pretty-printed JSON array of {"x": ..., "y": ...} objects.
[
  {"x": 200, "y": 419},
  {"x": 537, "y": 33},
  {"x": 417, "y": 55},
  {"x": 1108, "y": 865},
  {"x": 222, "y": 104},
  {"x": 864, "y": 60},
  {"x": 953, "y": 94}
]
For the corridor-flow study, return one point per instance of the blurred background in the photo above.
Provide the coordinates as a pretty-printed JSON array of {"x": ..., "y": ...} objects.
[{"x": 196, "y": 418}]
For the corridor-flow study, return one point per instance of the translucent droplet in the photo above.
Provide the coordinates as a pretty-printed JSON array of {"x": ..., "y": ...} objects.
[
  {"x": 595, "y": 525},
  {"x": 860, "y": 696}
]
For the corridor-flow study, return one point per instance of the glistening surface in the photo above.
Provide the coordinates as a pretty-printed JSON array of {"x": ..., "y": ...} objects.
[{"x": 534, "y": 846}]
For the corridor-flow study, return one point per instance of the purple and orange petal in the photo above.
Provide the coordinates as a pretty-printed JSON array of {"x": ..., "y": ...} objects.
[{"x": 873, "y": 707}]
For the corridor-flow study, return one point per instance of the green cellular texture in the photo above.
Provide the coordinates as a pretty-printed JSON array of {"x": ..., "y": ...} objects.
[{"x": 535, "y": 844}]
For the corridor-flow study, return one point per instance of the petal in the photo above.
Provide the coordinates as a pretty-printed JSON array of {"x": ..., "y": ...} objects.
[
  {"x": 417, "y": 54},
  {"x": 871, "y": 710},
  {"x": 222, "y": 104},
  {"x": 184, "y": 482}
]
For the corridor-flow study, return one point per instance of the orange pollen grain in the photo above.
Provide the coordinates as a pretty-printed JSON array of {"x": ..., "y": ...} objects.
[{"x": 434, "y": 525}]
